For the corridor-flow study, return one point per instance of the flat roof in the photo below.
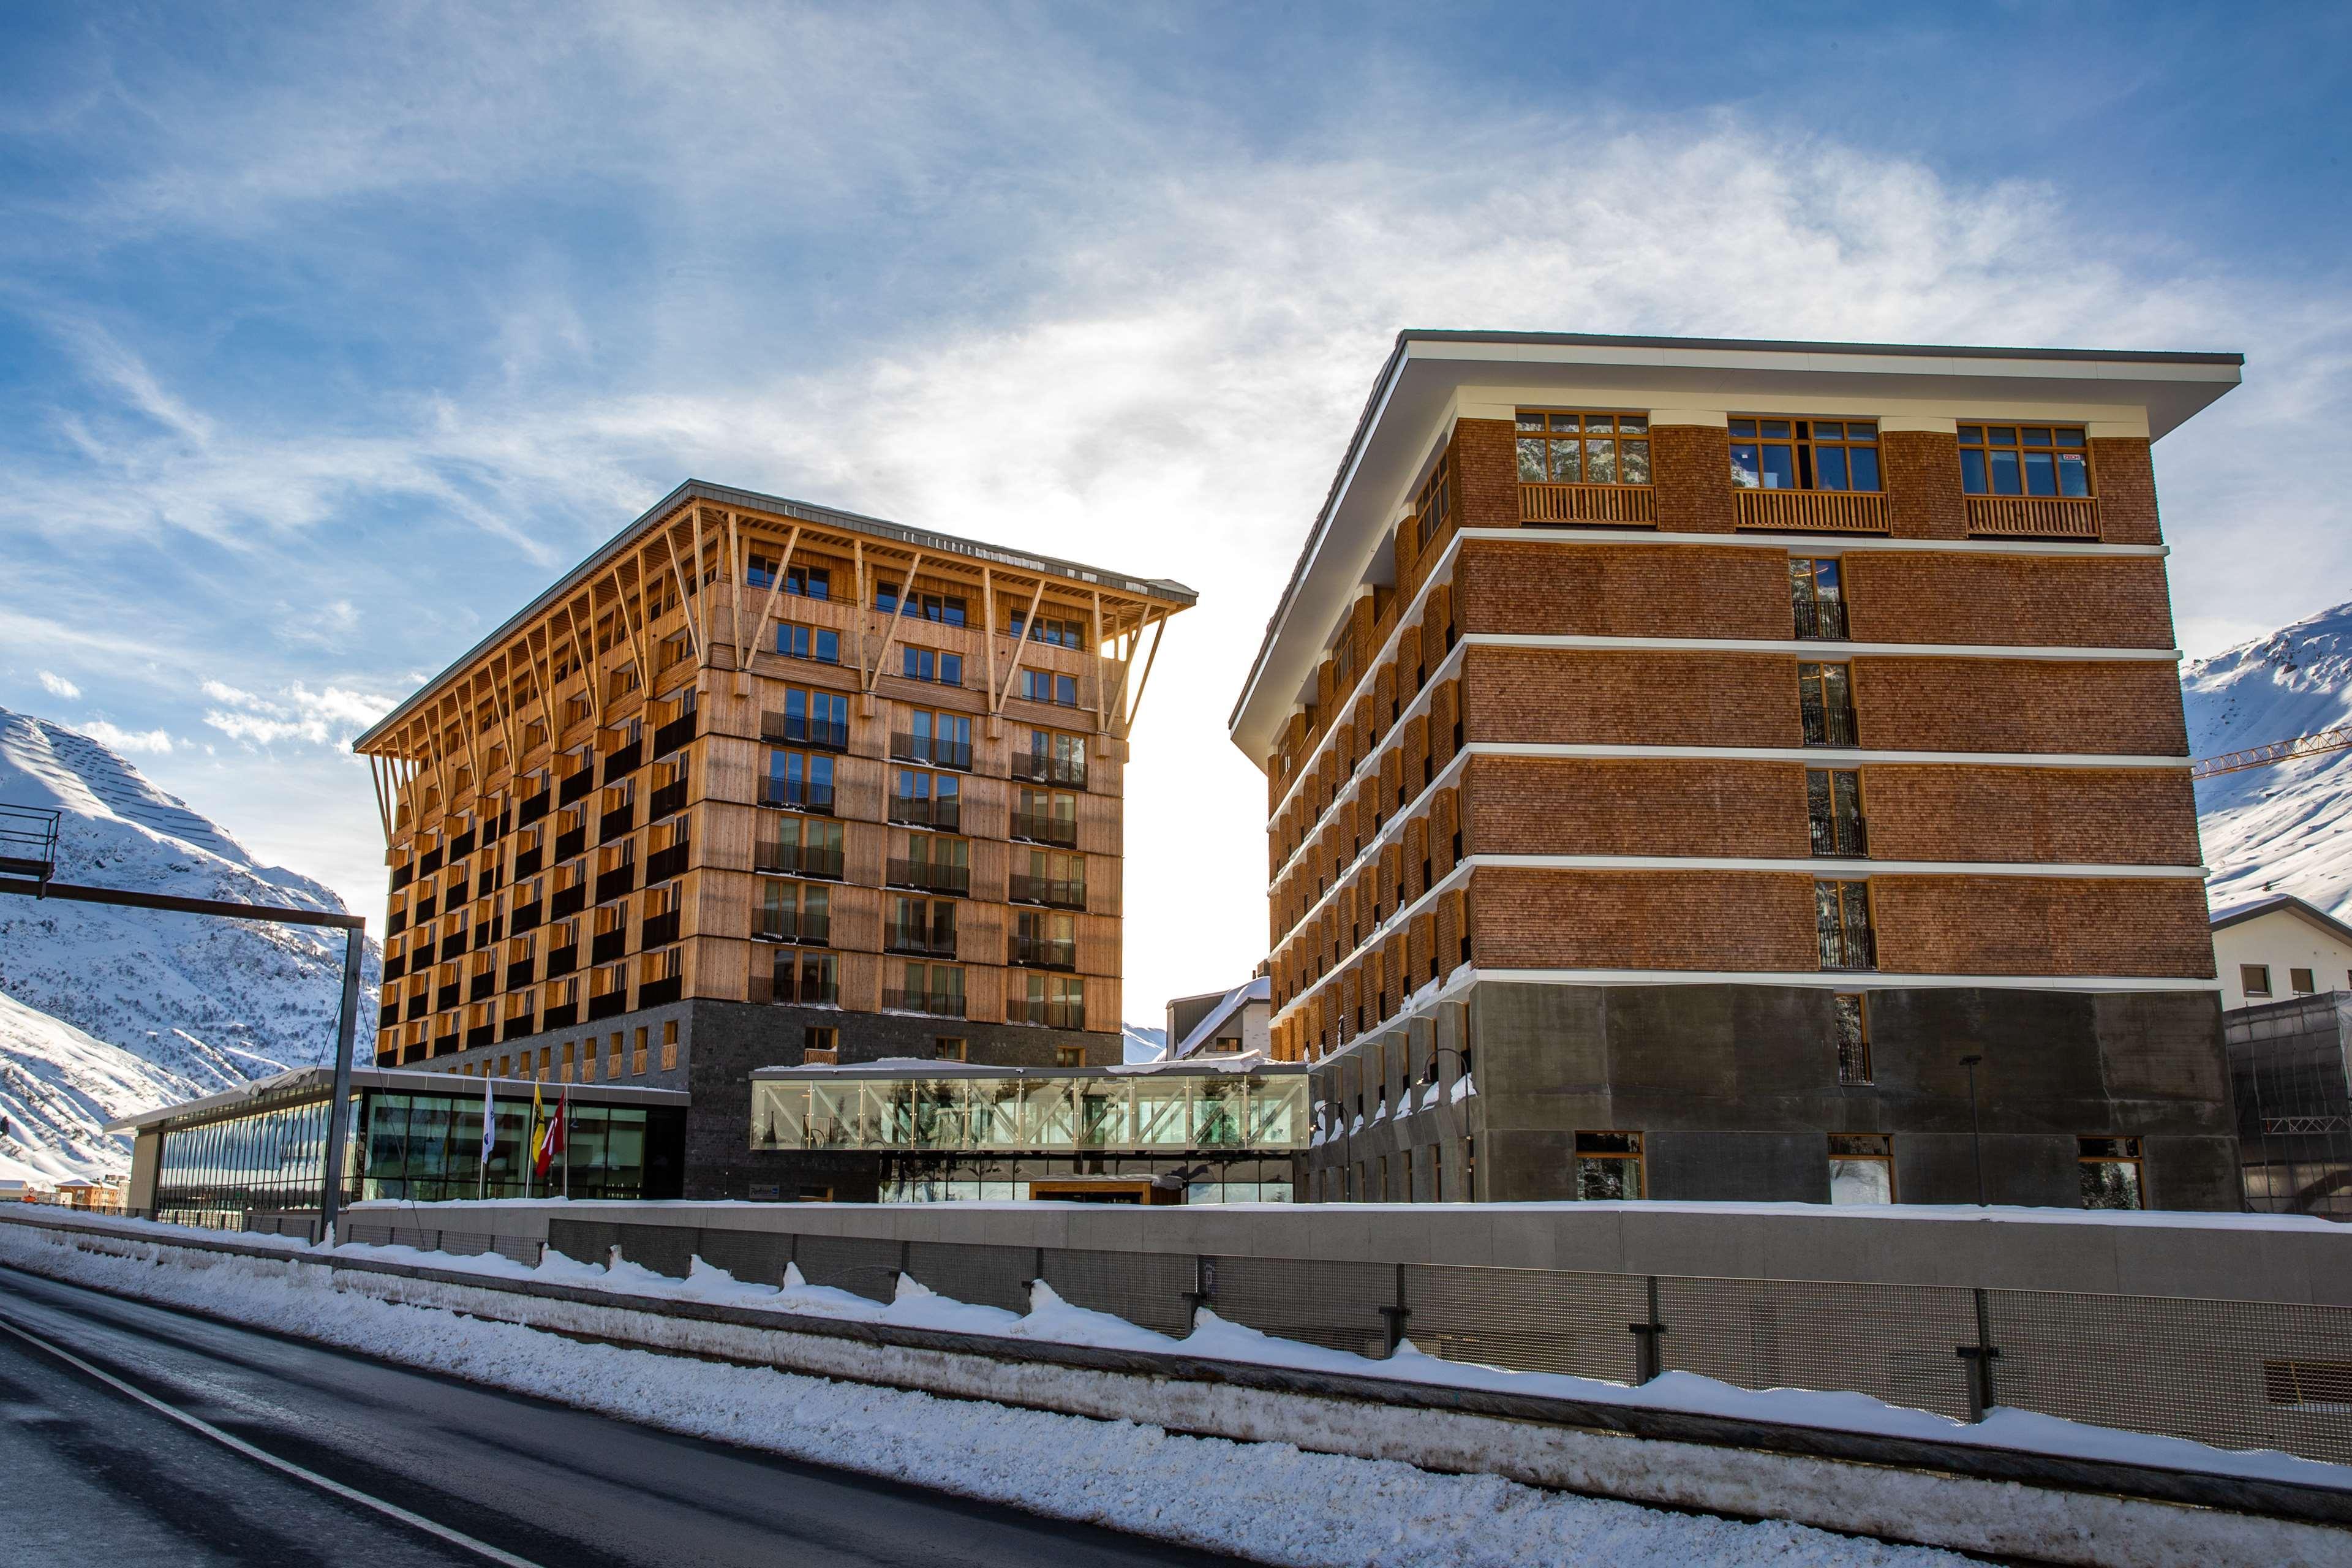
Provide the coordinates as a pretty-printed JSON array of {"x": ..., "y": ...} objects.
[
  {"x": 1161, "y": 588},
  {"x": 924, "y": 1067},
  {"x": 306, "y": 1083},
  {"x": 1427, "y": 365}
]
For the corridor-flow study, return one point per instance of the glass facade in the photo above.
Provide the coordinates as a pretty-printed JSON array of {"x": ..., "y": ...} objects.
[{"x": 268, "y": 1158}]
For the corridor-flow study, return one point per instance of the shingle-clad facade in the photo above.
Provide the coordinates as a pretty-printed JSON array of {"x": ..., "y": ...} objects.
[
  {"x": 805, "y": 784},
  {"x": 1683, "y": 757}
]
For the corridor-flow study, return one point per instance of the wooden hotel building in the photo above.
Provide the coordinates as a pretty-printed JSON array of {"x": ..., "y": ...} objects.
[{"x": 764, "y": 783}]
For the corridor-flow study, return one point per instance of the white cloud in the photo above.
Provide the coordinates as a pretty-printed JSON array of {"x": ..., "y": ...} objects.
[
  {"x": 154, "y": 741},
  {"x": 331, "y": 716},
  {"x": 59, "y": 686}
]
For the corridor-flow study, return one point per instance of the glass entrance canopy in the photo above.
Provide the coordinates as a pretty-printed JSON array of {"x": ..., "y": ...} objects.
[{"x": 918, "y": 1106}]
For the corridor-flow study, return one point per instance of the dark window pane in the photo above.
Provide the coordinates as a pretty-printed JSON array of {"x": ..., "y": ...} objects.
[
  {"x": 1972, "y": 473},
  {"x": 2037, "y": 437},
  {"x": 1865, "y": 432},
  {"x": 1828, "y": 430},
  {"x": 1865, "y": 467},
  {"x": 2074, "y": 475},
  {"x": 1531, "y": 421},
  {"x": 1632, "y": 424},
  {"x": 1743, "y": 428},
  {"x": 2041, "y": 479},
  {"x": 1745, "y": 471},
  {"x": 1829, "y": 463},
  {"x": 1779, "y": 467},
  {"x": 2004, "y": 474},
  {"x": 2002, "y": 434},
  {"x": 2069, "y": 437},
  {"x": 1776, "y": 427},
  {"x": 1972, "y": 435}
]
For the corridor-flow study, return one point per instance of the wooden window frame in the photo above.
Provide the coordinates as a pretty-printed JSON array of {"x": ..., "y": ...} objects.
[
  {"x": 1799, "y": 437},
  {"x": 813, "y": 640},
  {"x": 1845, "y": 928},
  {"x": 1556, "y": 430},
  {"x": 1860, "y": 815},
  {"x": 1432, "y": 505},
  {"x": 1884, "y": 1154},
  {"x": 1986, "y": 441},
  {"x": 1805, "y": 575},
  {"x": 2302, "y": 982},
  {"x": 2135, "y": 1157},
  {"x": 1638, "y": 1157},
  {"x": 1819, "y": 682},
  {"x": 2246, "y": 972},
  {"x": 1846, "y": 1061}
]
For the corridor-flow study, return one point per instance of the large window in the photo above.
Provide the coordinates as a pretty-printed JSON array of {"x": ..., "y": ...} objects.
[
  {"x": 2111, "y": 1174},
  {"x": 1053, "y": 757},
  {"x": 943, "y": 740},
  {"x": 1583, "y": 449},
  {"x": 810, "y": 717},
  {"x": 1817, "y": 595},
  {"x": 1608, "y": 1166},
  {"x": 1050, "y": 686},
  {"x": 806, "y": 979},
  {"x": 1055, "y": 1001},
  {"x": 801, "y": 847},
  {"x": 1047, "y": 816},
  {"x": 923, "y": 799},
  {"x": 1861, "y": 1168},
  {"x": 947, "y": 609},
  {"x": 1825, "y": 704},
  {"x": 933, "y": 862},
  {"x": 1852, "y": 1012},
  {"x": 930, "y": 664},
  {"x": 2024, "y": 460},
  {"x": 1435, "y": 504},
  {"x": 1834, "y": 804},
  {"x": 1841, "y": 912},
  {"x": 820, "y": 645},
  {"x": 1060, "y": 632},
  {"x": 795, "y": 911},
  {"x": 936, "y": 989},
  {"x": 1047, "y": 876},
  {"x": 1804, "y": 454},
  {"x": 926, "y": 926},
  {"x": 1041, "y": 941},
  {"x": 799, "y": 781}
]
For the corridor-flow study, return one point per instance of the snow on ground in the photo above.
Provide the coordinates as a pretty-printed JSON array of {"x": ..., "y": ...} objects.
[
  {"x": 1269, "y": 1501},
  {"x": 57, "y": 1087}
]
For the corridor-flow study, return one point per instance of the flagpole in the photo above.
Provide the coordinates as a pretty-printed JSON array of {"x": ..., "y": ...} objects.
[
  {"x": 564, "y": 1120},
  {"x": 489, "y": 1133}
]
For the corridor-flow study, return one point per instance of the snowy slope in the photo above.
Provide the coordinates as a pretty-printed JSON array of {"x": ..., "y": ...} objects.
[
  {"x": 57, "y": 1087},
  {"x": 212, "y": 1002},
  {"x": 2286, "y": 828},
  {"x": 1143, "y": 1043}
]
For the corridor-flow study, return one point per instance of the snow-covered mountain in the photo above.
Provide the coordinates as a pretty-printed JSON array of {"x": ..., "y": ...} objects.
[
  {"x": 211, "y": 1002},
  {"x": 1143, "y": 1043},
  {"x": 2286, "y": 828},
  {"x": 57, "y": 1087}
]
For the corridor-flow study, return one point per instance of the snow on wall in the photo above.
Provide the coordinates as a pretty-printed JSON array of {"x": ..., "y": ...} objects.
[{"x": 211, "y": 1002}]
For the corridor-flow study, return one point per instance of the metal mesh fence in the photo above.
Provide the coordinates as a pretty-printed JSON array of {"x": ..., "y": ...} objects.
[
  {"x": 1894, "y": 1342},
  {"x": 1145, "y": 1287},
  {"x": 757, "y": 1256},
  {"x": 986, "y": 1276},
  {"x": 862, "y": 1264},
  {"x": 1321, "y": 1302},
  {"x": 1529, "y": 1320}
]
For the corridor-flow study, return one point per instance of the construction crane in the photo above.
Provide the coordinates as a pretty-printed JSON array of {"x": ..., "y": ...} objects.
[{"x": 2312, "y": 745}]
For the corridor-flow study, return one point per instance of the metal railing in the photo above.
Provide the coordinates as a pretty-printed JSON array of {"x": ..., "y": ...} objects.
[
  {"x": 936, "y": 750},
  {"x": 798, "y": 860},
  {"x": 931, "y": 876},
  {"x": 1044, "y": 952},
  {"x": 1049, "y": 770},
  {"x": 2237, "y": 1375},
  {"x": 1045, "y": 828},
  {"x": 933, "y": 1003},
  {"x": 1056, "y": 892}
]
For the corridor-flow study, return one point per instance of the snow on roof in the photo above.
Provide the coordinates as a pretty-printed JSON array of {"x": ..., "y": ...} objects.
[{"x": 1258, "y": 988}]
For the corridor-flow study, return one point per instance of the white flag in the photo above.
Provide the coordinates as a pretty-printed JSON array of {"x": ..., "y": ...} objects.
[{"x": 490, "y": 1118}]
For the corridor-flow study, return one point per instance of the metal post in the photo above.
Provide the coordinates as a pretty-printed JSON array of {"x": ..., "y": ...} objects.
[
  {"x": 1398, "y": 1314},
  {"x": 1204, "y": 1290},
  {"x": 330, "y": 1189},
  {"x": 1645, "y": 1339},
  {"x": 1979, "y": 1357},
  {"x": 1976, "y": 1127}
]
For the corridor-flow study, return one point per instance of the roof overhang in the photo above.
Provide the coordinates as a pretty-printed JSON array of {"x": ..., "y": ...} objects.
[
  {"x": 1428, "y": 372},
  {"x": 318, "y": 1083},
  {"x": 2283, "y": 904}
]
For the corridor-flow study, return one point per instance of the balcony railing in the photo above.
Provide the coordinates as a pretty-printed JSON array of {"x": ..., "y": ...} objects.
[
  {"x": 562, "y": 961},
  {"x": 461, "y": 846},
  {"x": 611, "y": 884},
  {"x": 798, "y": 860},
  {"x": 560, "y": 1017},
  {"x": 931, "y": 876},
  {"x": 793, "y": 925},
  {"x": 664, "y": 864},
  {"x": 947, "y": 815},
  {"x": 2034, "y": 517},
  {"x": 519, "y": 974},
  {"x": 526, "y": 916},
  {"x": 1826, "y": 724},
  {"x": 1841, "y": 837},
  {"x": 443, "y": 1044},
  {"x": 576, "y": 787},
  {"x": 445, "y": 998},
  {"x": 1056, "y": 893},
  {"x": 1050, "y": 770},
  {"x": 1623, "y": 505},
  {"x": 658, "y": 931},
  {"x": 1051, "y": 1014},
  {"x": 932, "y": 1003},
  {"x": 937, "y": 751},
  {"x": 532, "y": 809},
  {"x": 674, "y": 734},
  {"x": 620, "y": 764},
  {"x": 419, "y": 1005},
  {"x": 796, "y": 795},
  {"x": 660, "y": 993},
  {"x": 520, "y": 1023},
  {"x": 404, "y": 874},
  {"x": 488, "y": 931},
  {"x": 1818, "y": 620},
  {"x": 1812, "y": 512},
  {"x": 610, "y": 1005},
  {"x": 1045, "y": 828},
  {"x": 387, "y": 1016},
  {"x": 1044, "y": 953},
  {"x": 482, "y": 987},
  {"x": 429, "y": 862},
  {"x": 606, "y": 946},
  {"x": 486, "y": 883},
  {"x": 922, "y": 943},
  {"x": 526, "y": 861},
  {"x": 481, "y": 1034},
  {"x": 615, "y": 822},
  {"x": 829, "y": 734},
  {"x": 393, "y": 968},
  {"x": 1848, "y": 947},
  {"x": 453, "y": 945},
  {"x": 396, "y": 924},
  {"x": 571, "y": 842},
  {"x": 568, "y": 901},
  {"x": 423, "y": 908},
  {"x": 667, "y": 801}
]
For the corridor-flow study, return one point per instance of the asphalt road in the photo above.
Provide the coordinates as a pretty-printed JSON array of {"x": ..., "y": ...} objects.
[{"x": 90, "y": 1474}]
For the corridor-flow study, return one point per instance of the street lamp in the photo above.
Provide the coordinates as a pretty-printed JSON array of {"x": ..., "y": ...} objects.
[{"x": 1976, "y": 1127}]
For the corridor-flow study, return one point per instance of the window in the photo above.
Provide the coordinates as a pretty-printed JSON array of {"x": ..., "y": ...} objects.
[
  {"x": 933, "y": 988},
  {"x": 1861, "y": 1168},
  {"x": 950, "y": 1048},
  {"x": 810, "y": 717},
  {"x": 802, "y": 848},
  {"x": 1069, "y": 1055},
  {"x": 1583, "y": 449},
  {"x": 923, "y": 925},
  {"x": 947, "y": 609},
  {"x": 944, "y": 739},
  {"x": 930, "y": 664},
  {"x": 934, "y": 862},
  {"x": 1049, "y": 816},
  {"x": 1852, "y": 1014},
  {"x": 670, "y": 1045},
  {"x": 1833, "y": 806},
  {"x": 1047, "y": 876},
  {"x": 1842, "y": 911},
  {"x": 1043, "y": 940},
  {"x": 1433, "y": 505},
  {"x": 759, "y": 570},
  {"x": 795, "y": 911},
  {"x": 2255, "y": 979},
  {"x": 1804, "y": 454},
  {"x": 819, "y": 645},
  {"x": 1056, "y": 1001},
  {"x": 809, "y": 582},
  {"x": 820, "y": 1044},
  {"x": 801, "y": 976},
  {"x": 799, "y": 781},
  {"x": 927, "y": 800},
  {"x": 1825, "y": 704},
  {"x": 1608, "y": 1166},
  {"x": 637, "y": 1057},
  {"x": 1053, "y": 757},
  {"x": 2024, "y": 460},
  {"x": 2299, "y": 981},
  {"x": 1817, "y": 594},
  {"x": 1047, "y": 629},
  {"x": 1048, "y": 685},
  {"x": 2111, "y": 1174}
]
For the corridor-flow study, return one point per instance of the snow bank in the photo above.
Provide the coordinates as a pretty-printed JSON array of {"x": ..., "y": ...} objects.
[{"x": 1270, "y": 1501}]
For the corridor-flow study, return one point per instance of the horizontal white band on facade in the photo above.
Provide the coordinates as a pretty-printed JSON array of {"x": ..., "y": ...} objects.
[
  {"x": 1840, "y": 979},
  {"x": 1822, "y": 650}
]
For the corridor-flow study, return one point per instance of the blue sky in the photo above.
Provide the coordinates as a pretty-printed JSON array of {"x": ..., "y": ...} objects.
[{"x": 329, "y": 335}]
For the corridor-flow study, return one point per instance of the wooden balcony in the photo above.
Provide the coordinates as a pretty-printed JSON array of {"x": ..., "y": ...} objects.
[
  {"x": 2034, "y": 517},
  {"x": 1813, "y": 511},
  {"x": 1609, "y": 505}
]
